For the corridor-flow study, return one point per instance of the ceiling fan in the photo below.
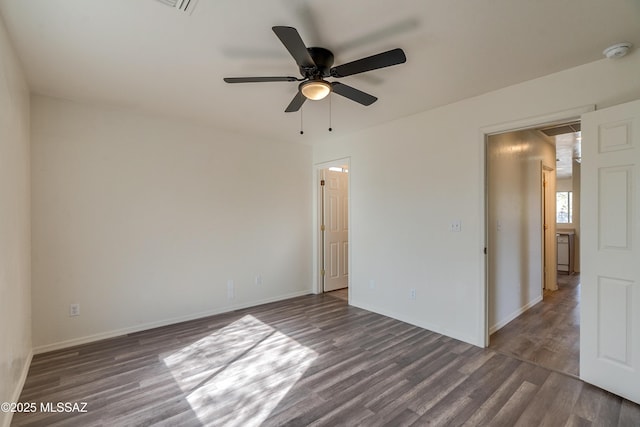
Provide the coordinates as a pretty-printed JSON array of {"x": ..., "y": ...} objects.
[{"x": 315, "y": 63}]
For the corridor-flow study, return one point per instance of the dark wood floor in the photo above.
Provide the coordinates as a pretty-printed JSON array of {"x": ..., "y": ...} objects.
[
  {"x": 549, "y": 332},
  {"x": 340, "y": 293},
  {"x": 311, "y": 360}
]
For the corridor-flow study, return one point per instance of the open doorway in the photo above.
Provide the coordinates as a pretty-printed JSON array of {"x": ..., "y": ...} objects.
[
  {"x": 533, "y": 313},
  {"x": 516, "y": 162},
  {"x": 333, "y": 228}
]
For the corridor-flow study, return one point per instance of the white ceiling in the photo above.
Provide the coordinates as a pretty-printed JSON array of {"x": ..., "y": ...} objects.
[{"x": 149, "y": 56}]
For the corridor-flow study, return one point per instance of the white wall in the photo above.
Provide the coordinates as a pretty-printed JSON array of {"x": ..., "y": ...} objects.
[
  {"x": 15, "y": 233},
  {"x": 514, "y": 212},
  {"x": 142, "y": 220},
  {"x": 411, "y": 177}
]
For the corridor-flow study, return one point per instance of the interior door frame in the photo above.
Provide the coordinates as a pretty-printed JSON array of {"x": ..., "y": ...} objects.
[
  {"x": 549, "y": 272},
  {"x": 317, "y": 243},
  {"x": 484, "y": 133}
]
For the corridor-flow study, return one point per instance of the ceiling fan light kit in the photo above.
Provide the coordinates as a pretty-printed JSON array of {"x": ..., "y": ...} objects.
[
  {"x": 315, "y": 64},
  {"x": 315, "y": 89}
]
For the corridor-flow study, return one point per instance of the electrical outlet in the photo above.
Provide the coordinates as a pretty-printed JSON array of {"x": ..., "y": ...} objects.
[
  {"x": 258, "y": 280},
  {"x": 231, "y": 292},
  {"x": 412, "y": 293},
  {"x": 74, "y": 310},
  {"x": 456, "y": 226},
  {"x": 372, "y": 284}
]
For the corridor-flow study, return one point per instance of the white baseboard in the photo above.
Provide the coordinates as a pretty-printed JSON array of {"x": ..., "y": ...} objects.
[
  {"x": 513, "y": 315},
  {"x": 18, "y": 389},
  {"x": 143, "y": 327}
]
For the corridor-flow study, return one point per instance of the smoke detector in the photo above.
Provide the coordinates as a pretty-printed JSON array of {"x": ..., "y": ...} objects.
[{"x": 617, "y": 50}]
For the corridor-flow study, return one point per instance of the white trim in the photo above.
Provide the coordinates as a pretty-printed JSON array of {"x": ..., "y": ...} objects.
[
  {"x": 484, "y": 132},
  {"x": 151, "y": 325},
  {"x": 317, "y": 287},
  {"x": 535, "y": 121},
  {"x": 482, "y": 339},
  {"x": 18, "y": 390},
  {"x": 549, "y": 250},
  {"x": 513, "y": 315}
]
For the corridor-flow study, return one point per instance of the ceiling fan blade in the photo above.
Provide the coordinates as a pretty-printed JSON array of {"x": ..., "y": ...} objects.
[
  {"x": 293, "y": 42},
  {"x": 381, "y": 60},
  {"x": 353, "y": 93},
  {"x": 259, "y": 79},
  {"x": 296, "y": 103},
  {"x": 307, "y": 20}
]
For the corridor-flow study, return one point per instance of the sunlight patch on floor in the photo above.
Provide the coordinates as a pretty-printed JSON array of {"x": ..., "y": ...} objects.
[{"x": 238, "y": 374}]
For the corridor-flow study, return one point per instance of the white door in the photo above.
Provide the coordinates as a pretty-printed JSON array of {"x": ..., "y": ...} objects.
[
  {"x": 610, "y": 294},
  {"x": 336, "y": 230}
]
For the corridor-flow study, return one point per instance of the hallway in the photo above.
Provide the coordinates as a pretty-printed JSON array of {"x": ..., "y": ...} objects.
[{"x": 548, "y": 334}]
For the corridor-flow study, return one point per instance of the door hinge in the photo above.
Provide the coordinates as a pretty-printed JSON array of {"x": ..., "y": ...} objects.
[
  {"x": 322, "y": 182},
  {"x": 322, "y": 272},
  {"x": 485, "y": 251},
  {"x": 322, "y": 227}
]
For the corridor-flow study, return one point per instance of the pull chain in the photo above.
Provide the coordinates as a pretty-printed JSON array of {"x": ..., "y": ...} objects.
[
  {"x": 330, "y": 128},
  {"x": 301, "y": 131}
]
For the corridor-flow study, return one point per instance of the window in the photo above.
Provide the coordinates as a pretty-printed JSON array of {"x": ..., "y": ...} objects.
[{"x": 564, "y": 207}]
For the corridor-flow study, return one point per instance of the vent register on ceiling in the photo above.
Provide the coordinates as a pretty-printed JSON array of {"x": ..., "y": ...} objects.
[
  {"x": 562, "y": 129},
  {"x": 181, "y": 5}
]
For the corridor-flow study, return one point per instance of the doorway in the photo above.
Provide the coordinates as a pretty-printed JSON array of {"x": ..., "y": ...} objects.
[
  {"x": 516, "y": 164},
  {"x": 541, "y": 327},
  {"x": 332, "y": 225}
]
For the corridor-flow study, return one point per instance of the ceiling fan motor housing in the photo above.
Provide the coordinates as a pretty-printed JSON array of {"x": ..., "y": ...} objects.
[{"x": 324, "y": 61}]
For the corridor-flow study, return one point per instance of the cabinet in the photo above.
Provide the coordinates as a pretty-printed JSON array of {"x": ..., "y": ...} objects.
[{"x": 565, "y": 252}]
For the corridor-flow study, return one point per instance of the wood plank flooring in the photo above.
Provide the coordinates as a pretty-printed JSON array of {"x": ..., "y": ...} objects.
[
  {"x": 308, "y": 361},
  {"x": 548, "y": 333},
  {"x": 340, "y": 293}
]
